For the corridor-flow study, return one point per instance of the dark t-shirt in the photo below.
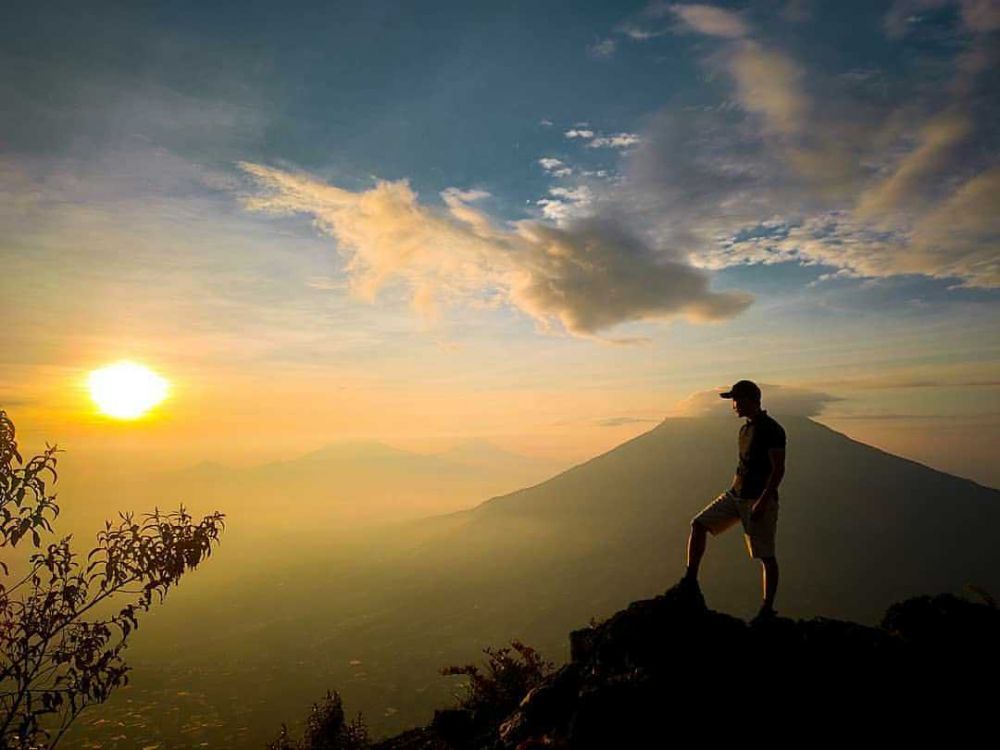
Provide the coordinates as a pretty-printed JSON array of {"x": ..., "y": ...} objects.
[{"x": 757, "y": 437}]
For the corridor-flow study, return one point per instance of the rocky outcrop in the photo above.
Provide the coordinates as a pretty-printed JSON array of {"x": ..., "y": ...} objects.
[{"x": 669, "y": 668}]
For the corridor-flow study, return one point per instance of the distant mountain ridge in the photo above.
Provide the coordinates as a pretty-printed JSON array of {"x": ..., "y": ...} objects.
[{"x": 352, "y": 481}]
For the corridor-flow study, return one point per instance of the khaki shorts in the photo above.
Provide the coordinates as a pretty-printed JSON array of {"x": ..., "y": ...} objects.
[{"x": 727, "y": 509}]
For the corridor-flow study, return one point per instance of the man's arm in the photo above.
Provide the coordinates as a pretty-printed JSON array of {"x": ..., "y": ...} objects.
[{"x": 777, "y": 456}]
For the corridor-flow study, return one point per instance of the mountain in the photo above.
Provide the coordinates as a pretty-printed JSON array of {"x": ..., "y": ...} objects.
[
  {"x": 344, "y": 484},
  {"x": 857, "y": 526},
  {"x": 376, "y": 613},
  {"x": 483, "y": 454}
]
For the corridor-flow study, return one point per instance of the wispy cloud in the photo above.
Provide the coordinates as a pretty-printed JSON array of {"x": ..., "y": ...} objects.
[
  {"x": 618, "y": 141},
  {"x": 639, "y": 33},
  {"x": 944, "y": 375},
  {"x": 808, "y": 167},
  {"x": 589, "y": 274},
  {"x": 708, "y": 19},
  {"x": 659, "y": 18},
  {"x": 777, "y": 399},
  {"x": 596, "y": 140},
  {"x": 905, "y": 182},
  {"x": 977, "y": 16},
  {"x": 603, "y": 48},
  {"x": 767, "y": 84}
]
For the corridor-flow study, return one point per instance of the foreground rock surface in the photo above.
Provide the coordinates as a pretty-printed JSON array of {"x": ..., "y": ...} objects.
[{"x": 669, "y": 669}]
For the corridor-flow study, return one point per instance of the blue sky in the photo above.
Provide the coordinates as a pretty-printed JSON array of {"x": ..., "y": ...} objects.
[{"x": 660, "y": 197}]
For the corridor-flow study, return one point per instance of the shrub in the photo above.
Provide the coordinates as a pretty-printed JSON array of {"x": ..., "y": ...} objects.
[
  {"x": 326, "y": 729},
  {"x": 54, "y": 661},
  {"x": 510, "y": 673}
]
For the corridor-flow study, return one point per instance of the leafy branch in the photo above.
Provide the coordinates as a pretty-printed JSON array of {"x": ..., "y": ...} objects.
[{"x": 54, "y": 661}]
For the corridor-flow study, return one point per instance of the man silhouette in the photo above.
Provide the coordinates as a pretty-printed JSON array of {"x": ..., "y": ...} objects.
[{"x": 751, "y": 500}]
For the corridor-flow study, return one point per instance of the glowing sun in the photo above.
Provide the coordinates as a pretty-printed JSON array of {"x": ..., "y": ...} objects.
[{"x": 126, "y": 390}]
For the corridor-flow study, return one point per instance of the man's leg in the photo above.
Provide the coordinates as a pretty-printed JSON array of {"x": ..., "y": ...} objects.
[
  {"x": 719, "y": 515},
  {"x": 769, "y": 571},
  {"x": 695, "y": 549}
]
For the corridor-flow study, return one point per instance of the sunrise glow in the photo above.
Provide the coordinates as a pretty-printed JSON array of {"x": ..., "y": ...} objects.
[{"x": 126, "y": 390}]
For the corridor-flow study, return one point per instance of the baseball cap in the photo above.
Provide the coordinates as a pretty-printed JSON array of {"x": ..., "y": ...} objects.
[{"x": 742, "y": 389}]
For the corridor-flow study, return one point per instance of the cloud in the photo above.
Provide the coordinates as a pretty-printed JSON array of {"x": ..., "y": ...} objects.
[
  {"x": 618, "y": 140},
  {"x": 980, "y": 16},
  {"x": 615, "y": 141},
  {"x": 324, "y": 283},
  {"x": 604, "y": 48},
  {"x": 566, "y": 203},
  {"x": 961, "y": 236},
  {"x": 555, "y": 167},
  {"x": 903, "y": 14},
  {"x": 698, "y": 177},
  {"x": 767, "y": 83},
  {"x": 777, "y": 399},
  {"x": 960, "y": 377},
  {"x": 797, "y": 11},
  {"x": 638, "y": 33},
  {"x": 590, "y": 274},
  {"x": 707, "y": 19},
  {"x": 704, "y": 19},
  {"x": 818, "y": 167},
  {"x": 903, "y": 184},
  {"x": 976, "y": 16}
]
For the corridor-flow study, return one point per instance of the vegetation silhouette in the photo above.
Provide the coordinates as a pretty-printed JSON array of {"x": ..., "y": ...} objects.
[
  {"x": 54, "y": 661},
  {"x": 635, "y": 679},
  {"x": 326, "y": 729},
  {"x": 509, "y": 675},
  {"x": 490, "y": 696}
]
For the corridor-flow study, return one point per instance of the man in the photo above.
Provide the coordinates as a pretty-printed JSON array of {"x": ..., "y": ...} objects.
[{"x": 752, "y": 499}]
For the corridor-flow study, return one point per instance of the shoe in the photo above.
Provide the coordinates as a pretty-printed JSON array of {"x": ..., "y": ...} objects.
[
  {"x": 687, "y": 583},
  {"x": 688, "y": 589},
  {"x": 764, "y": 614}
]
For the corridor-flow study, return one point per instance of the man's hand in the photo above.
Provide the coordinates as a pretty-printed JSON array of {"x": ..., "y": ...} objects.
[
  {"x": 759, "y": 507},
  {"x": 777, "y": 456}
]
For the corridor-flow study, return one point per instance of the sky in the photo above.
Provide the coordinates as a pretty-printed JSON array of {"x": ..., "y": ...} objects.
[{"x": 542, "y": 223}]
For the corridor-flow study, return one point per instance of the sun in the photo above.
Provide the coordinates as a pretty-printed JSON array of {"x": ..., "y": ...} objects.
[{"x": 126, "y": 390}]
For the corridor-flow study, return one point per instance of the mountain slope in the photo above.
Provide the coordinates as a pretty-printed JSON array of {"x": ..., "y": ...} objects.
[{"x": 857, "y": 526}]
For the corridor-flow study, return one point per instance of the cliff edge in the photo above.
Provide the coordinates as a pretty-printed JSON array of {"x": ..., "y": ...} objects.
[{"x": 669, "y": 669}]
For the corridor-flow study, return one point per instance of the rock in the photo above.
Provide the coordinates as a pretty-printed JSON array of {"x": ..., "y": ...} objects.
[
  {"x": 666, "y": 667},
  {"x": 455, "y": 725},
  {"x": 581, "y": 644}
]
